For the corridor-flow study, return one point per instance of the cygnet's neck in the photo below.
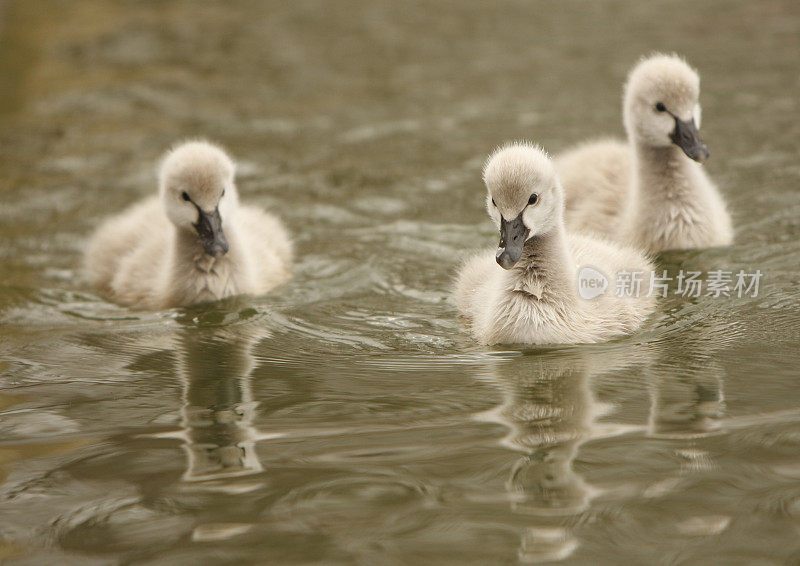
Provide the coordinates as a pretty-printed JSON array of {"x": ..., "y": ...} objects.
[
  {"x": 189, "y": 254},
  {"x": 662, "y": 173},
  {"x": 546, "y": 267},
  {"x": 193, "y": 276},
  {"x": 189, "y": 257}
]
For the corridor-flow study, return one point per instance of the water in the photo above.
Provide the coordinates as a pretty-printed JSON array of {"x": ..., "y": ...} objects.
[{"x": 347, "y": 417}]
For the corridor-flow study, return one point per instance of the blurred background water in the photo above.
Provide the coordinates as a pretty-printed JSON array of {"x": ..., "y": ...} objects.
[{"x": 347, "y": 418}]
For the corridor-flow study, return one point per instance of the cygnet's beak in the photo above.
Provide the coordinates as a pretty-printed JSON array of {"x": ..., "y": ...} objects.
[
  {"x": 512, "y": 238},
  {"x": 209, "y": 228},
  {"x": 687, "y": 137}
]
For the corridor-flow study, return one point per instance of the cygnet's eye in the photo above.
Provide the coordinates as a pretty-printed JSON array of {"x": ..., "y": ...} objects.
[
  {"x": 533, "y": 199},
  {"x": 660, "y": 107},
  {"x": 223, "y": 193},
  {"x": 185, "y": 196}
]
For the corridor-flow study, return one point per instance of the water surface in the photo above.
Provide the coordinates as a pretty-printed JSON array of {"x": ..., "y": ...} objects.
[{"x": 347, "y": 418}]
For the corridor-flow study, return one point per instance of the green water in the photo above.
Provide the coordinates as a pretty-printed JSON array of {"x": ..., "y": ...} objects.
[{"x": 347, "y": 418}]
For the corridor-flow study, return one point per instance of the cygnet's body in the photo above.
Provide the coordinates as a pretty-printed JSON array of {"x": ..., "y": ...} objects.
[
  {"x": 652, "y": 192},
  {"x": 191, "y": 244},
  {"x": 534, "y": 297}
]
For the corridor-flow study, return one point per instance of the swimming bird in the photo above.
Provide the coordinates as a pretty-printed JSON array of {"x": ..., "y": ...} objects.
[
  {"x": 652, "y": 192},
  {"x": 193, "y": 243},
  {"x": 535, "y": 294}
]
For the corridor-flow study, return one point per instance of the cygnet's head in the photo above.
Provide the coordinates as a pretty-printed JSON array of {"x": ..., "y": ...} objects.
[
  {"x": 525, "y": 198},
  {"x": 661, "y": 105},
  {"x": 197, "y": 191}
]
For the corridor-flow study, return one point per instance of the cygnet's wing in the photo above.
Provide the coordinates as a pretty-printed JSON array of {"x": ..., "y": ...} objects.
[
  {"x": 596, "y": 178},
  {"x": 118, "y": 237},
  {"x": 268, "y": 245}
]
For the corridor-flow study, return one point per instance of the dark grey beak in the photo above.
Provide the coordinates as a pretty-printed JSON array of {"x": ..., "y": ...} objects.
[
  {"x": 512, "y": 238},
  {"x": 209, "y": 228},
  {"x": 687, "y": 137}
]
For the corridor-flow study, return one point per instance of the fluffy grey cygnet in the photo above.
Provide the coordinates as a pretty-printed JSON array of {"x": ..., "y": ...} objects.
[
  {"x": 651, "y": 193},
  {"x": 193, "y": 243},
  {"x": 532, "y": 296}
]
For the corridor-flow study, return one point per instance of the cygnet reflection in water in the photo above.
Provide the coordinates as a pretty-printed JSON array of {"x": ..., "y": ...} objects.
[
  {"x": 550, "y": 411},
  {"x": 215, "y": 364},
  {"x": 689, "y": 402}
]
